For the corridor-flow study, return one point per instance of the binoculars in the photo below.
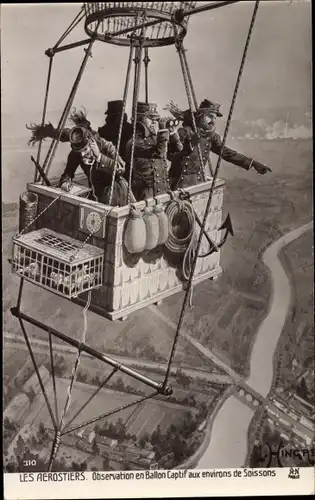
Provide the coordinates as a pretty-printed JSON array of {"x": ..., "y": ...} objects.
[{"x": 171, "y": 122}]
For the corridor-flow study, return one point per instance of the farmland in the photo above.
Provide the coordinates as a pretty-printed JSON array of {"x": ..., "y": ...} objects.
[{"x": 149, "y": 414}]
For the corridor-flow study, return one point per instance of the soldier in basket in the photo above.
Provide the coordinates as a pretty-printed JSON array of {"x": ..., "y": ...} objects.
[
  {"x": 185, "y": 168},
  {"x": 154, "y": 143},
  {"x": 110, "y": 130},
  {"x": 95, "y": 156}
]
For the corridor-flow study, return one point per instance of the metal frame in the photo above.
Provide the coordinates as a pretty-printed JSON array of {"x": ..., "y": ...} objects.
[{"x": 16, "y": 312}]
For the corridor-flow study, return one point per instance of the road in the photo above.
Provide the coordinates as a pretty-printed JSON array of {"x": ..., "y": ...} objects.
[{"x": 229, "y": 439}]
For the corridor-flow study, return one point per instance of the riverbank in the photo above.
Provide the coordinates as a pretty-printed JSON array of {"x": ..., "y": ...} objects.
[{"x": 229, "y": 443}]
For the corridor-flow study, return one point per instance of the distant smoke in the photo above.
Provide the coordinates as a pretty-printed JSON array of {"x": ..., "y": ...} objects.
[{"x": 280, "y": 129}]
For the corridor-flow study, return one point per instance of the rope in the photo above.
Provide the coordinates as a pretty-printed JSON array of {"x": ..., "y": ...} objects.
[
  {"x": 36, "y": 175},
  {"x": 180, "y": 49},
  {"x": 187, "y": 294},
  {"x": 38, "y": 374},
  {"x": 53, "y": 375},
  {"x": 134, "y": 118},
  {"x": 196, "y": 106},
  {"x": 138, "y": 61},
  {"x": 192, "y": 89},
  {"x": 127, "y": 82},
  {"x": 52, "y": 150},
  {"x": 105, "y": 381},
  {"x": 39, "y": 215},
  {"x": 187, "y": 244},
  {"x": 71, "y": 27},
  {"x": 108, "y": 414},
  {"x": 77, "y": 362},
  {"x": 54, "y": 450}
]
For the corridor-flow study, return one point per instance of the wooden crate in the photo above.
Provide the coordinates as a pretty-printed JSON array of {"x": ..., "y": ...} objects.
[{"x": 129, "y": 286}]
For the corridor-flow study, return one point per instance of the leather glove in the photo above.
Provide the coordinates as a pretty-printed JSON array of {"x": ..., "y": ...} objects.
[
  {"x": 66, "y": 186},
  {"x": 162, "y": 123},
  {"x": 260, "y": 168},
  {"x": 120, "y": 167}
]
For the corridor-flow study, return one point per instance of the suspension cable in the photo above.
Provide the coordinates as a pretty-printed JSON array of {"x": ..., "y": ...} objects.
[
  {"x": 109, "y": 413},
  {"x": 65, "y": 113},
  {"x": 36, "y": 175},
  {"x": 105, "y": 381},
  {"x": 207, "y": 209},
  {"x": 64, "y": 116},
  {"x": 146, "y": 61},
  {"x": 53, "y": 375},
  {"x": 179, "y": 47},
  {"x": 192, "y": 89},
  {"x": 189, "y": 78},
  {"x": 73, "y": 24},
  {"x": 76, "y": 364},
  {"x": 39, "y": 215},
  {"x": 134, "y": 111},
  {"x": 125, "y": 95},
  {"x": 38, "y": 374}
]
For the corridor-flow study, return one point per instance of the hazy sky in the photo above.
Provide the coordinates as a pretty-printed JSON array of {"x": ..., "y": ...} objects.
[{"x": 277, "y": 73}]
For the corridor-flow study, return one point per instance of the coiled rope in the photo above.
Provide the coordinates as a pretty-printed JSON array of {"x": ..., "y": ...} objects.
[{"x": 186, "y": 244}]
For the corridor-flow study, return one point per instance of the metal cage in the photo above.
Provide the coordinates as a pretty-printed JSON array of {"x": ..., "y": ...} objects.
[{"x": 57, "y": 262}]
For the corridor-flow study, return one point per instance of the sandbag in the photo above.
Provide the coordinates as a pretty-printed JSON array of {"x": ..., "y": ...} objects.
[
  {"x": 135, "y": 233},
  {"x": 163, "y": 224},
  {"x": 152, "y": 228}
]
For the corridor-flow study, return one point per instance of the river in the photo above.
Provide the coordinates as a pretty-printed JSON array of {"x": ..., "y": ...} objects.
[{"x": 228, "y": 443}]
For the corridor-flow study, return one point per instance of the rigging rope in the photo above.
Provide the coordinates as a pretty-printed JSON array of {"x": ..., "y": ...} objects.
[
  {"x": 109, "y": 413},
  {"x": 180, "y": 49},
  {"x": 187, "y": 244},
  {"x": 53, "y": 376},
  {"x": 73, "y": 24},
  {"x": 54, "y": 144},
  {"x": 105, "y": 381},
  {"x": 192, "y": 89},
  {"x": 76, "y": 364},
  {"x": 202, "y": 229},
  {"x": 127, "y": 81},
  {"x": 138, "y": 63},
  {"x": 36, "y": 174},
  {"x": 39, "y": 215}
]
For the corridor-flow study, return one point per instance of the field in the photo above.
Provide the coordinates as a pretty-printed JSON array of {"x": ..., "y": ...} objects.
[{"x": 149, "y": 414}]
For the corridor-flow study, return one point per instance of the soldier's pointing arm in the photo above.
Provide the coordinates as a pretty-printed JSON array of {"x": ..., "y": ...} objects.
[{"x": 230, "y": 155}]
